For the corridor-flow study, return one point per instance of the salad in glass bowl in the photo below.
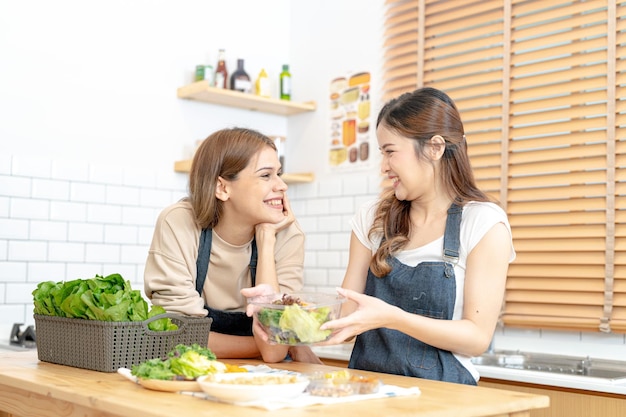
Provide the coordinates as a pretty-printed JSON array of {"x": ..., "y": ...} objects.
[{"x": 295, "y": 319}]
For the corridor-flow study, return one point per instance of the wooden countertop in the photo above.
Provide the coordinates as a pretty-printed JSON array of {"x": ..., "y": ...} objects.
[{"x": 29, "y": 387}]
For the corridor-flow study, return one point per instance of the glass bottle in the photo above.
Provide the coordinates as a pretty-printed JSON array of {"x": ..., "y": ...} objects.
[
  {"x": 262, "y": 85},
  {"x": 221, "y": 73},
  {"x": 209, "y": 74},
  {"x": 199, "y": 73},
  {"x": 240, "y": 80},
  {"x": 285, "y": 83}
]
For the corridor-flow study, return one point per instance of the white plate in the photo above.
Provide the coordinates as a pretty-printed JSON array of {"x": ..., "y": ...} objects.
[
  {"x": 169, "y": 386},
  {"x": 160, "y": 385},
  {"x": 245, "y": 387}
]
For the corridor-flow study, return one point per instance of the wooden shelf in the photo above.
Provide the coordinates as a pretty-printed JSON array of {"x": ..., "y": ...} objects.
[
  {"x": 297, "y": 178},
  {"x": 201, "y": 91},
  {"x": 182, "y": 166}
]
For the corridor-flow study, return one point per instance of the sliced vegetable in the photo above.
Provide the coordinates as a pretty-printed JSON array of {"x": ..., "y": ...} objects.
[
  {"x": 305, "y": 323},
  {"x": 182, "y": 363},
  {"x": 192, "y": 364}
]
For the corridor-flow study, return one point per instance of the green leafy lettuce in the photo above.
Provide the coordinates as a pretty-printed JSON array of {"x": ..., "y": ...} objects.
[
  {"x": 182, "y": 363},
  {"x": 109, "y": 298},
  {"x": 296, "y": 325}
]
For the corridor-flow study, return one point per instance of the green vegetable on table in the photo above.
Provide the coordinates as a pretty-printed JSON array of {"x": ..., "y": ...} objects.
[
  {"x": 109, "y": 298},
  {"x": 182, "y": 363}
]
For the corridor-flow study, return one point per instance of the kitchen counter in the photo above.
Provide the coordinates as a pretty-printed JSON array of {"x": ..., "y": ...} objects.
[
  {"x": 29, "y": 387},
  {"x": 554, "y": 379},
  {"x": 342, "y": 353}
]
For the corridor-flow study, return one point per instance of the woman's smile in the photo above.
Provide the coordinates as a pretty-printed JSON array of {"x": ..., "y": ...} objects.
[{"x": 275, "y": 203}]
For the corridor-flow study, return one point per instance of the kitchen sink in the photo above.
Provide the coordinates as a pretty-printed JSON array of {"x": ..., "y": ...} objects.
[{"x": 543, "y": 362}]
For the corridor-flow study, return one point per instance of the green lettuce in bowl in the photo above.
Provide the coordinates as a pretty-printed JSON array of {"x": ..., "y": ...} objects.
[{"x": 295, "y": 319}]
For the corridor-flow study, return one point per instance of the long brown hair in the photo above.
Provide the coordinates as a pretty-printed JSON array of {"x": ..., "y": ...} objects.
[
  {"x": 225, "y": 154},
  {"x": 420, "y": 115}
]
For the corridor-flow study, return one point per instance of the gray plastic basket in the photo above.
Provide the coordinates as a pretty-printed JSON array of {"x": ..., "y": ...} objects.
[{"x": 108, "y": 345}]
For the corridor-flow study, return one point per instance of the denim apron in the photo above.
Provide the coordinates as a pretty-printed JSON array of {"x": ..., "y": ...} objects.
[
  {"x": 428, "y": 289},
  {"x": 226, "y": 322}
]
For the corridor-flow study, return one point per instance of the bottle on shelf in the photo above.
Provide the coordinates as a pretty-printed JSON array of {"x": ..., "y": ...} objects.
[
  {"x": 205, "y": 72},
  {"x": 285, "y": 83},
  {"x": 209, "y": 74},
  {"x": 199, "y": 73},
  {"x": 221, "y": 73},
  {"x": 262, "y": 85},
  {"x": 240, "y": 80}
]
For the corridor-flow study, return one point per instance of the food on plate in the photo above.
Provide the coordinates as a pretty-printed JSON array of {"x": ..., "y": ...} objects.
[
  {"x": 253, "y": 386},
  {"x": 183, "y": 363},
  {"x": 252, "y": 379},
  {"x": 341, "y": 383},
  {"x": 234, "y": 368},
  {"x": 169, "y": 386},
  {"x": 296, "y": 319}
]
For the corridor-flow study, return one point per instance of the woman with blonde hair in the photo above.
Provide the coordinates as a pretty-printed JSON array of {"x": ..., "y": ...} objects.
[{"x": 235, "y": 231}]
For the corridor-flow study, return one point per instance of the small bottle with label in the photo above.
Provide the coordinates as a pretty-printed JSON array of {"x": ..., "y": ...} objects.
[
  {"x": 209, "y": 74},
  {"x": 221, "y": 73},
  {"x": 262, "y": 85},
  {"x": 199, "y": 73},
  {"x": 240, "y": 80},
  {"x": 285, "y": 83}
]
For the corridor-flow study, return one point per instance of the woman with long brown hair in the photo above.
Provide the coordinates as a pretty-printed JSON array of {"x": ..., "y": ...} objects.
[
  {"x": 428, "y": 260},
  {"x": 235, "y": 232}
]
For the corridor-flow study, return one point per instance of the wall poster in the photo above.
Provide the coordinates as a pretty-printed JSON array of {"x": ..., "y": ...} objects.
[{"x": 350, "y": 136}]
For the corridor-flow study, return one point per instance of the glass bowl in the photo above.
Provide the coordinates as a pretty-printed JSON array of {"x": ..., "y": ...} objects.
[
  {"x": 295, "y": 319},
  {"x": 341, "y": 384}
]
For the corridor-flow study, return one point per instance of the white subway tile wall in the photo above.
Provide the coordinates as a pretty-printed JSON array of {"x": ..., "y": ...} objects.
[{"x": 62, "y": 220}]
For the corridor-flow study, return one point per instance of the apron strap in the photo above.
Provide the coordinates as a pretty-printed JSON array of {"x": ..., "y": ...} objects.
[
  {"x": 452, "y": 235},
  {"x": 204, "y": 253}
]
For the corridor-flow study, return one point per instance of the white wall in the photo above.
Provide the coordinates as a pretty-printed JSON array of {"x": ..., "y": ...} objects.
[
  {"x": 330, "y": 39},
  {"x": 97, "y": 80}
]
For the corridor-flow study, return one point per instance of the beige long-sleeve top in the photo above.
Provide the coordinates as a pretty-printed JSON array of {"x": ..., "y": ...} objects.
[{"x": 170, "y": 272}]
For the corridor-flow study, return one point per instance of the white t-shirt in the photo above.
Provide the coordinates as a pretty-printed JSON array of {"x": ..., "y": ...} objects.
[{"x": 478, "y": 218}]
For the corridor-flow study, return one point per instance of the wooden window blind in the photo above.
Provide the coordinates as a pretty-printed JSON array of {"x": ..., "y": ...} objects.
[{"x": 541, "y": 87}]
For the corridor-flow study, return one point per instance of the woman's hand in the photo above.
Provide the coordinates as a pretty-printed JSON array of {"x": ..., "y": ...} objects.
[
  {"x": 258, "y": 291},
  {"x": 274, "y": 228},
  {"x": 370, "y": 313},
  {"x": 303, "y": 354},
  {"x": 270, "y": 353}
]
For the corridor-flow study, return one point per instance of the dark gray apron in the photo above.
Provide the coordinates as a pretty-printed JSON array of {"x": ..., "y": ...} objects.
[
  {"x": 428, "y": 289},
  {"x": 226, "y": 322}
]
